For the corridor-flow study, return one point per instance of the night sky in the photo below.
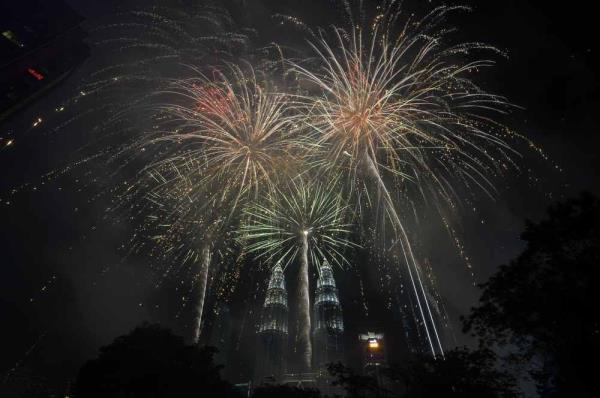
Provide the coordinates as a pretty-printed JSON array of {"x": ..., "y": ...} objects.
[{"x": 65, "y": 290}]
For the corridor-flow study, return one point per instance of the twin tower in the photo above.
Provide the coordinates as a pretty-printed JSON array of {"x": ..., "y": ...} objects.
[{"x": 327, "y": 321}]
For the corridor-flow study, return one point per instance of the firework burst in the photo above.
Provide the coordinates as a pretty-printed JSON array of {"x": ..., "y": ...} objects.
[
  {"x": 398, "y": 111},
  {"x": 226, "y": 139},
  {"x": 305, "y": 222},
  {"x": 242, "y": 132}
]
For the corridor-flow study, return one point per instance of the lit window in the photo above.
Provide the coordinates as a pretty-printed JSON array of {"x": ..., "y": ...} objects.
[{"x": 373, "y": 344}]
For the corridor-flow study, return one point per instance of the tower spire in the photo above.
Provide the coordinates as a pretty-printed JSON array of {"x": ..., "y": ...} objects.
[
  {"x": 329, "y": 324},
  {"x": 273, "y": 329}
]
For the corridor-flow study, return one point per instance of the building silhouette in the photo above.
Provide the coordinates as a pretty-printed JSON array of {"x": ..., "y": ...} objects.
[
  {"x": 328, "y": 333},
  {"x": 273, "y": 330},
  {"x": 373, "y": 351},
  {"x": 374, "y": 355}
]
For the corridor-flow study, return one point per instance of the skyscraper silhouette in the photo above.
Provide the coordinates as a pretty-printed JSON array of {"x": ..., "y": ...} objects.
[
  {"x": 328, "y": 321},
  {"x": 273, "y": 330}
]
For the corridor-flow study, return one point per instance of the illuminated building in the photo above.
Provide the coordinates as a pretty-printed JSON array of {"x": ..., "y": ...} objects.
[
  {"x": 273, "y": 330},
  {"x": 373, "y": 352},
  {"x": 329, "y": 325},
  {"x": 41, "y": 42},
  {"x": 328, "y": 333},
  {"x": 374, "y": 360}
]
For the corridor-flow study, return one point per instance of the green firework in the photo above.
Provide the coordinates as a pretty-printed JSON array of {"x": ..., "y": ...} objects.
[{"x": 277, "y": 228}]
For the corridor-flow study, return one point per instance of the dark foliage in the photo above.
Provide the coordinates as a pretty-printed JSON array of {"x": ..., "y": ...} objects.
[
  {"x": 151, "y": 362},
  {"x": 355, "y": 385},
  {"x": 545, "y": 303},
  {"x": 463, "y": 373},
  {"x": 282, "y": 391}
]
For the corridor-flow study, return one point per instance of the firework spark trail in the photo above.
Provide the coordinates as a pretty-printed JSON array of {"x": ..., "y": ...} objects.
[
  {"x": 304, "y": 222},
  {"x": 304, "y": 304},
  {"x": 402, "y": 105},
  {"x": 201, "y": 279},
  {"x": 408, "y": 257}
]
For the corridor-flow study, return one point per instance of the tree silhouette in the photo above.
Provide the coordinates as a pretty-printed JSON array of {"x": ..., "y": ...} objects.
[
  {"x": 283, "y": 391},
  {"x": 151, "y": 362},
  {"x": 355, "y": 385},
  {"x": 545, "y": 302},
  {"x": 462, "y": 373}
]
